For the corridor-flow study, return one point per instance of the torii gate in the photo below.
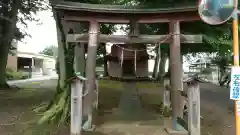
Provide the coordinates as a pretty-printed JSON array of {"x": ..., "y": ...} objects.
[{"x": 96, "y": 13}]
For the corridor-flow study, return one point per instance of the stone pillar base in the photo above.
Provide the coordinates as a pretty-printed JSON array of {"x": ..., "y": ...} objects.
[{"x": 174, "y": 132}]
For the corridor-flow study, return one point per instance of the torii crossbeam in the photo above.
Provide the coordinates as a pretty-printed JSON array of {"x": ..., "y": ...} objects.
[{"x": 125, "y": 39}]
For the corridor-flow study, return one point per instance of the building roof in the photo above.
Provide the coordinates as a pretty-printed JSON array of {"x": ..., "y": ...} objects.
[
  {"x": 201, "y": 61},
  {"x": 102, "y": 8},
  {"x": 34, "y": 55}
]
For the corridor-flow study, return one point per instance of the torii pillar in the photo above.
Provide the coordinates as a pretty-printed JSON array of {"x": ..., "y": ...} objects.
[
  {"x": 176, "y": 73},
  {"x": 90, "y": 69}
]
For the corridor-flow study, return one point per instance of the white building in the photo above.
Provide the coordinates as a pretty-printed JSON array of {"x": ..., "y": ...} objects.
[{"x": 36, "y": 64}]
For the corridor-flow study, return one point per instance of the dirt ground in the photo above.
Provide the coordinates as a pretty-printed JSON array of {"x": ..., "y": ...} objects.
[
  {"x": 217, "y": 111},
  {"x": 16, "y": 114},
  {"x": 18, "y": 118}
]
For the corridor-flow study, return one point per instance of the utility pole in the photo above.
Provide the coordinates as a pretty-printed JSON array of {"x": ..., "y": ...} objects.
[{"x": 236, "y": 64}]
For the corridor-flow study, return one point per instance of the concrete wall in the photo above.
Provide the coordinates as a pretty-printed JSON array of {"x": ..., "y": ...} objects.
[
  {"x": 43, "y": 65},
  {"x": 37, "y": 67},
  {"x": 12, "y": 59},
  {"x": 49, "y": 66}
]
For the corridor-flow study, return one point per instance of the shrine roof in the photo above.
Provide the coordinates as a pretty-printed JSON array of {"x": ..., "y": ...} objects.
[{"x": 102, "y": 8}]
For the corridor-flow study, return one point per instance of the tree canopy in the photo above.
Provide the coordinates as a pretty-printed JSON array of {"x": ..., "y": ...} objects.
[{"x": 49, "y": 50}]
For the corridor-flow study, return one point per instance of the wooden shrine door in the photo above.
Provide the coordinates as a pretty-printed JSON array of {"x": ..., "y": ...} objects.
[{"x": 128, "y": 68}]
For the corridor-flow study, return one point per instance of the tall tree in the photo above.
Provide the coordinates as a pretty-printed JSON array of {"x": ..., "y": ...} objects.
[{"x": 7, "y": 34}]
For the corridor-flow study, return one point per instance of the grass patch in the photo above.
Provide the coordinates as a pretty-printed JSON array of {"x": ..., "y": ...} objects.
[
  {"x": 151, "y": 85},
  {"x": 109, "y": 84},
  {"x": 109, "y": 99},
  {"x": 152, "y": 102},
  {"x": 118, "y": 85},
  {"x": 108, "y": 102},
  {"x": 21, "y": 119},
  {"x": 22, "y": 103}
]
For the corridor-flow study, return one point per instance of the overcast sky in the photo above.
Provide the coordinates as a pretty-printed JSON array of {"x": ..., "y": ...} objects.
[{"x": 43, "y": 35}]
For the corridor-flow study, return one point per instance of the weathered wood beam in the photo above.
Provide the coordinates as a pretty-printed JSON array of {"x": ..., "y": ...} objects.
[
  {"x": 134, "y": 28},
  {"x": 122, "y": 19},
  {"x": 122, "y": 39},
  {"x": 176, "y": 72}
]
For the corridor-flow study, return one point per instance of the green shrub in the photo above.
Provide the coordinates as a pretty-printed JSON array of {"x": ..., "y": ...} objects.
[{"x": 13, "y": 75}]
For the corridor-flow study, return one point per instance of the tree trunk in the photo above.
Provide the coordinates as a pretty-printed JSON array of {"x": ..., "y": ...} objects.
[
  {"x": 8, "y": 32},
  {"x": 61, "y": 60},
  {"x": 105, "y": 65},
  {"x": 3, "y": 63},
  {"x": 58, "y": 110},
  {"x": 79, "y": 60},
  {"x": 162, "y": 65},
  {"x": 156, "y": 64}
]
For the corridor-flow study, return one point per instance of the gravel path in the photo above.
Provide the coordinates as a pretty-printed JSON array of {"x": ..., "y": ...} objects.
[
  {"x": 217, "y": 110},
  {"x": 130, "y": 118}
]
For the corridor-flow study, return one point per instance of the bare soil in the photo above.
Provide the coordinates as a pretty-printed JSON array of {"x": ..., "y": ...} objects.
[
  {"x": 18, "y": 118},
  {"x": 217, "y": 111}
]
